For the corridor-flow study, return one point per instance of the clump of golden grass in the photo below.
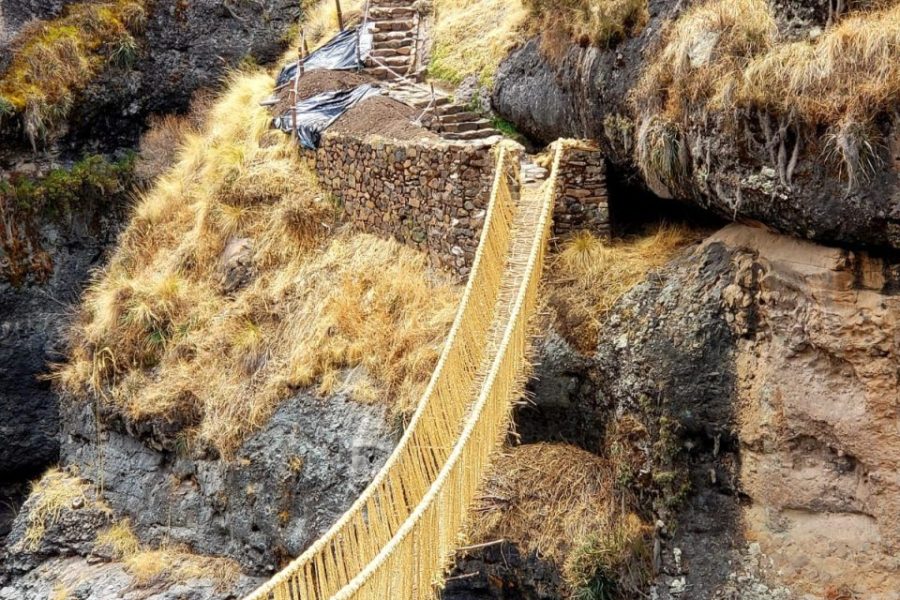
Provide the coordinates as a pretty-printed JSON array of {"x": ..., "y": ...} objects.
[
  {"x": 727, "y": 54},
  {"x": 60, "y": 591},
  {"x": 587, "y": 22},
  {"x": 701, "y": 48},
  {"x": 54, "y": 493},
  {"x": 177, "y": 564},
  {"x": 472, "y": 37},
  {"x": 168, "y": 564},
  {"x": 53, "y": 60},
  {"x": 702, "y": 52},
  {"x": 320, "y": 19},
  {"x": 160, "y": 338},
  {"x": 851, "y": 71},
  {"x": 119, "y": 540},
  {"x": 588, "y": 276},
  {"x": 559, "y": 501},
  {"x": 160, "y": 145}
]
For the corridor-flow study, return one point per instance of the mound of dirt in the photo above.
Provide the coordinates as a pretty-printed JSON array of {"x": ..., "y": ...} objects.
[
  {"x": 385, "y": 117},
  {"x": 318, "y": 82}
]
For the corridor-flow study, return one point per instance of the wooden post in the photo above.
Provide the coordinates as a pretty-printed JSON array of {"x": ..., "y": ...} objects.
[
  {"x": 294, "y": 93},
  {"x": 340, "y": 15},
  {"x": 304, "y": 49}
]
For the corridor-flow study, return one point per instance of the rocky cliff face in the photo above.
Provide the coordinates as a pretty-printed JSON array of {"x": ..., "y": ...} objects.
[
  {"x": 184, "y": 47},
  {"x": 817, "y": 389},
  {"x": 32, "y": 320},
  {"x": 181, "y": 47},
  {"x": 758, "y": 166},
  {"x": 285, "y": 487},
  {"x": 774, "y": 363},
  {"x": 287, "y": 484}
]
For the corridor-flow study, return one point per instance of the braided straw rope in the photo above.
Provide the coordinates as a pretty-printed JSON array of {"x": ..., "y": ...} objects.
[
  {"x": 413, "y": 562},
  {"x": 378, "y": 514}
]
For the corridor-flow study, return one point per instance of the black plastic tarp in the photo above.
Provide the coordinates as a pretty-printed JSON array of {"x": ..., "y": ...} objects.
[
  {"x": 339, "y": 54},
  {"x": 316, "y": 114}
]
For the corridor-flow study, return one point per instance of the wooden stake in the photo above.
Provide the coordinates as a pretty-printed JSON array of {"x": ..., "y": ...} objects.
[
  {"x": 340, "y": 15},
  {"x": 294, "y": 94}
]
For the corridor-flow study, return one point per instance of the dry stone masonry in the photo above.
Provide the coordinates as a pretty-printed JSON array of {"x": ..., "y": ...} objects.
[
  {"x": 581, "y": 197},
  {"x": 427, "y": 194},
  {"x": 433, "y": 195}
]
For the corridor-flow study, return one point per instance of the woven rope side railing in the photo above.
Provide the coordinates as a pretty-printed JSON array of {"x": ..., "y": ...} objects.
[
  {"x": 409, "y": 567},
  {"x": 377, "y": 515}
]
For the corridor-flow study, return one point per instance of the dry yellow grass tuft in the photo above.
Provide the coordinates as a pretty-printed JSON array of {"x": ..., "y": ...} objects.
[
  {"x": 168, "y": 564},
  {"x": 706, "y": 44},
  {"x": 727, "y": 54},
  {"x": 177, "y": 565},
  {"x": 559, "y": 501},
  {"x": 53, "y": 60},
  {"x": 227, "y": 293},
  {"x": 119, "y": 540},
  {"x": 588, "y": 276},
  {"x": 60, "y": 591},
  {"x": 320, "y": 19},
  {"x": 850, "y": 72},
  {"x": 587, "y": 22},
  {"x": 472, "y": 37},
  {"x": 55, "y": 492}
]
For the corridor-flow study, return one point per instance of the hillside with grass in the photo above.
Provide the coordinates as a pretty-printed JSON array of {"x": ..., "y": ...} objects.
[
  {"x": 198, "y": 326},
  {"x": 213, "y": 339}
]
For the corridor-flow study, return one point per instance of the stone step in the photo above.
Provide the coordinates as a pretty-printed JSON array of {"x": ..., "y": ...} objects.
[
  {"x": 391, "y": 3},
  {"x": 477, "y": 134},
  {"x": 398, "y": 25},
  {"x": 449, "y": 109},
  {"x": 423, "y": 102},
  {"x": 395, "y": 62},
  {"x": 391, "y": 52},
  {"x": 462, "y": 127},
  {"x": 457, "y": 116},
  {"x": 377, "y": 13},
  {"x": 398, "y": 43},
  {"x": 385, "y": 74},
  {"x": 384, "y": 36}
]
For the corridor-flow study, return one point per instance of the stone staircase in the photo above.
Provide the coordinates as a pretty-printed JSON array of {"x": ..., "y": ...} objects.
[
  {"x": 395, "y": 32},
  {"x": 441, "y": 115},
  {"x": 396, "y": 36}
]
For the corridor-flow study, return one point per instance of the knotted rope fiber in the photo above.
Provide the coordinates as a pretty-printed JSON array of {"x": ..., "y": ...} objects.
[
  {"x": 376, "y": 516},
  {"x": 396, "y": 539}
]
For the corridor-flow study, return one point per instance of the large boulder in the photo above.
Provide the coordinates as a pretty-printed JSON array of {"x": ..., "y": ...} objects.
[
  {"x": 773, "y": 364},
  {"x": 741, "y": 163}
]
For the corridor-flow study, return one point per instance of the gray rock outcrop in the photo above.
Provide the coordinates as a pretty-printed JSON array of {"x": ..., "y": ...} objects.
[
  {"x": 756, "y": 377},
  {"x": 738, "y": 173},
  {"x": 285, "y": 487},
  {"x": 32, "y": 322}
]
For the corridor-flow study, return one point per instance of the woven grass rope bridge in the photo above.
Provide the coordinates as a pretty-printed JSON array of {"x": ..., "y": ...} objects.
[{"x": 397, "y": 538}]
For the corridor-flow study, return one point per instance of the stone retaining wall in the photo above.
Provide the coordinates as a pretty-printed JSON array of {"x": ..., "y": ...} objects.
[
  {"x": 581, "y": 196},
  {"x": 431, "y": 195}
]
